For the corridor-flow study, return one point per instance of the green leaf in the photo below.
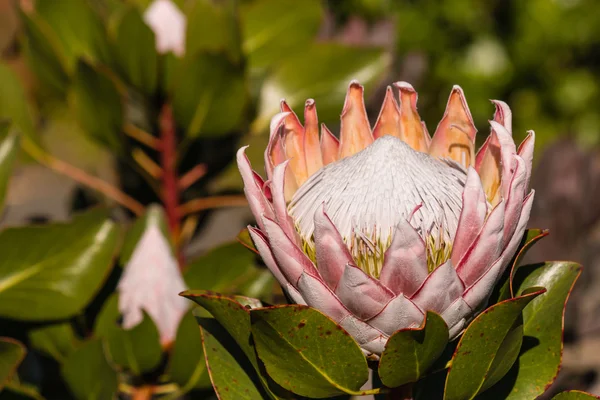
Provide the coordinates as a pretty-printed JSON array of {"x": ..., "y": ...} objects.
[
  {"x": 14, "y": 391},
  {"x": 134, "y": 50},
  {"x": 106, "y": 321},
  {"x": 154, "y": 216},
  {"x": 322, "y": 72},
  {"x": 234, "y": 317},
  {"x": 274, "y": 29},
  {"x": 98, "y": 106},
  {"x": 137, "y": 349},
  {"x": 209, "y": 272},
  {"x": 409, "y": 353},
  {"x": 307, "y": 353},
  {"x": 45, "y": 55},
  {"x": 478, "y": 348},
  {"x": 12, "y": 353},
  {"x": 213, "y": 27},
  {"x": 13, "y": 103},
  {"x": 88, "y": 373},
  {"x": 540, "y": 357},
  {"x": 9, "y": 148},
  {"x": 78, "y": 28},
  {"x": 186, "y": 364},
  {"x": 231, "y": 374},
  {"x": 209, "y": 95},
  {"x": 53, "y": 271},
  {"x": 57, "y": 341},
  {"x": 574, "y": 395}
]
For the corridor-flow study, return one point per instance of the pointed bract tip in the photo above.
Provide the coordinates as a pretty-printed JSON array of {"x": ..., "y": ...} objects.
[
  {"x": 355, "y": 84},
  {"x": 402, "y": 85},
  {"x": 309, "y": 103}
]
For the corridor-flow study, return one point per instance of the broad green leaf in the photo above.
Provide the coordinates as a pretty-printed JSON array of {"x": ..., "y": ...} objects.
[
  {"x": 574, "y": 395},
  {"x": 98, "y": 106},
  {"x": 409, "y": 353},
  {"x": 13, "y": 103},
  {"x": 78, "y": 28},
  {"x": 234, "y": 317},
  {"x": 137, "y": 349},
  {"x": 12, "y": 353},
  {"x": 505, "y": 289},
  {"x": 15, "y": 391},
  {"x": 154, "y": 216},
  {"x": 273, "y": 30},
  {"x": 57, "y": 341},
  {"x": 223, "y": 269},
  {"x": 44, "y": 53},
  {"x": 88, "y": 373},
  {"x": 209, "y": 95},
  {"x": 474, "y": 357},
  {"x": 213, "y": 27},
  {"x": 53, "y": 271},
  {"x": 134, "y": 50},
  {"x": 307, "y": 353},
  {"x": 9, "y": 148},
  {"x": 321, "y": 72},
  {"x": 232, "y": 376},
  {"x": 540, "y": 357},
  {"x": 186, "y": 364},
  {"x": 107, "y": 320}
]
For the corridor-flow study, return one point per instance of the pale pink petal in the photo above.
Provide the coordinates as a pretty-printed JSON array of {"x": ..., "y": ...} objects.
[
  {"x": 514, "y": 203},
  {"x": 412, "y": 130},
  {"x": 330, "y": 145},
  {"x": 362, "y": 294},
  {"x": 398, "y": 313},
  {"x": 472, "y": 216},
  {"x": 481, "y": 153},
  {"x": 279, "y": 201},
  {"x": 151, "y": 281},
  {"x": 480, "y": 290},
  {"x": 456, "y": 313},
  {"x": 293, "y": 143},
  {"x": 254, "y": 193},
  {"x": 355, "y": 131},
  {"x": 507, "y": 153},
  {"x": 388, "y": 122},
  {"x": 405, "y": 261},
  {"x": 261, "y": 244},
  {"x": 331, "y": 252},
  {"x": 454, "y": 137},
  {"x": 168, "y": 24},
  {"x": 441, "y": 288},
  {"x": 455, "y": 330},
  {"x": 274, "y": 153},
  {"x": 485, "y": 248},
  {"x": 503, "y": 115},
  {"x": 317, "y": 295},
  {"x": 290, "y": 259},
  {"x": 526, "y": 152},
  {"x": 312, "y": 146},
  {"x": 294, "y": 294},
  {"x": 367, "y": 337}
]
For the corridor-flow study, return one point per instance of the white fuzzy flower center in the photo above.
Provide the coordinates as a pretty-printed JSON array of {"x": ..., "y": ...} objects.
[{"x": 368, "y": 194}]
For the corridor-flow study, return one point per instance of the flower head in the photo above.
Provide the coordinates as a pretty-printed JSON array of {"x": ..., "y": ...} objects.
[
  {"x": 384, "y": 224},
  {"x": 168, "y": 24},
  {"x": 151, "y": 282}
]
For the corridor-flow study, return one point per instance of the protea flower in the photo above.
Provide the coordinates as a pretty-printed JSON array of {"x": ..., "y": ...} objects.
[
  {"x": 168, "y": 24},
  {"x": 387, "y": 223}
]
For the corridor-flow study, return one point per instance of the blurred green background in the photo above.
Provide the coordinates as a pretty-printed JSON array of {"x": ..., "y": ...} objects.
[{"x": 82, "y": 83}]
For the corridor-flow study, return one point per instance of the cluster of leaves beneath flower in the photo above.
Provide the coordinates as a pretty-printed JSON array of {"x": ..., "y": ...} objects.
[{"x": 511, "y": 350}]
